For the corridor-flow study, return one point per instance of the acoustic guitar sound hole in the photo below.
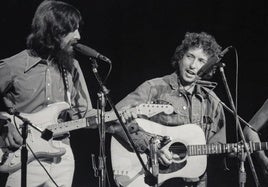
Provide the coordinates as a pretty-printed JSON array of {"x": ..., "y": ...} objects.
[{"x": 180, "y": 150}]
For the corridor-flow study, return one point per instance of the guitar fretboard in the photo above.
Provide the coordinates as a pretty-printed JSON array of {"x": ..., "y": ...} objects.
[
  {"x": 224, "y": 148},
  {"x": 142, "y": 109}
]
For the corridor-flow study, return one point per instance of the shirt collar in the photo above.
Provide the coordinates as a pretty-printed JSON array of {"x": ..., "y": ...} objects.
[
  {"x": 31, "y": 61},
  {"x": 172, "y": 80},
  {"x": 200, "y": 85}
]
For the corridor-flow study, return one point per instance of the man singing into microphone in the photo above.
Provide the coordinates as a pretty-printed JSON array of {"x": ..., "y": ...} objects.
[
  {"x": 193, "y": 100},
  {"x": 44, "y": 74}
]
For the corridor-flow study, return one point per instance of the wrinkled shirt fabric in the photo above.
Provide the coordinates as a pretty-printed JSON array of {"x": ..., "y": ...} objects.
[{"x": 29, "y": 84}]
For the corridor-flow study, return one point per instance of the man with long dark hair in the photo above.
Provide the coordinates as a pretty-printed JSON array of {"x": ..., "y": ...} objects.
[
  {"x": 193, "y": 101},
  {"x": 45, "y": 73}
]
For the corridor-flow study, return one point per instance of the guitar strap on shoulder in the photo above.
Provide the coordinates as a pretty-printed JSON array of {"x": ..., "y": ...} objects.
[
  {"x": 206, "y": 120},
  {"x": 66, "y": 85}
]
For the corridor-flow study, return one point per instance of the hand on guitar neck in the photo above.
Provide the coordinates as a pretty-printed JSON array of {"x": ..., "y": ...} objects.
[{"x": 128, "y": 115}]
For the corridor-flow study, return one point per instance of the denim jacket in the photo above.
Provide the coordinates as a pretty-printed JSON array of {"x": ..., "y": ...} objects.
[{"x": 202, "y": 107}]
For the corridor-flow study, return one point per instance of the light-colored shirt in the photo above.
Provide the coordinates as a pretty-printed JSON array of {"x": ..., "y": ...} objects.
[{"x": 28, "y": 84}]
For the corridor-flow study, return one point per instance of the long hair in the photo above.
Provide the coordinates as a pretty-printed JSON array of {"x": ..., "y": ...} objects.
[
  {"x": 52, "y": 21},
  {"x": 196, "y": 40}
]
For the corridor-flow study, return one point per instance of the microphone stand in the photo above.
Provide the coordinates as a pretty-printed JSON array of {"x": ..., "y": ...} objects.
[
  {"x": 24, "y": 151},
  {"x": 154, "y": 146},
  {"x": 102, "y": 157},
  {"x": 24, "y": 154},
  {"x": 149, "y": 178},
  {"x": 242, "y": 173}
]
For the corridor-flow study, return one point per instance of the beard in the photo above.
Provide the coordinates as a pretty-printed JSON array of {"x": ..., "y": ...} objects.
[{"x": 64, "y": 58}]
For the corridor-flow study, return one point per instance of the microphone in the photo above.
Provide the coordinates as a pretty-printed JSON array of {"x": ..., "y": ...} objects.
[
  {"x": 85, "y": 50},
  {"x": 211, "y": 63}
]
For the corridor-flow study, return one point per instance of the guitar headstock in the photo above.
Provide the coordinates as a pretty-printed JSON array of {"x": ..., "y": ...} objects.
[{"x": 150, "y": 110}]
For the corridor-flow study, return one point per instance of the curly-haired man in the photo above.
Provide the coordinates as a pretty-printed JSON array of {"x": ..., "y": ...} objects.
[{"x": 193, "y": 100}]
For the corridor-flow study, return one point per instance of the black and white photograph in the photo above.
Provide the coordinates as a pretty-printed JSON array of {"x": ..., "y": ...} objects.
[{"x": 124, "y": 93}]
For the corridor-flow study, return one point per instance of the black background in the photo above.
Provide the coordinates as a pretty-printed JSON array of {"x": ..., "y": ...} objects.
[{"x": 140, "y": 37}]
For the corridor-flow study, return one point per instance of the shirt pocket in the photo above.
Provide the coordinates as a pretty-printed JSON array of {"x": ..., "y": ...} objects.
[
  {"x": 25, "y": 87},
  {"x": 181, "y": 111}
]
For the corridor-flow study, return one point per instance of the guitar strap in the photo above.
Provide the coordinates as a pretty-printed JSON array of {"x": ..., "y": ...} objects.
[
  {"x": 66, "y": 85},
  {"x": 207, "y": 121}
]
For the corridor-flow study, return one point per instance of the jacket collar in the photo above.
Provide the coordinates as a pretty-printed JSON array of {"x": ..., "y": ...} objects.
[{"x": 200, "y": 85}]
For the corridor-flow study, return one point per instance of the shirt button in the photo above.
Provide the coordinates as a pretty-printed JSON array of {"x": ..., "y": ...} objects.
[
  {"x": 48, "y": 98},
  {"x": 48, "y": 84},
  {"x": 184, "y": 107}
]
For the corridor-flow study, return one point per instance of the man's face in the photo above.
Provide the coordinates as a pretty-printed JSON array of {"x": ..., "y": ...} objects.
[
  {"x": 189, "y": 65},
  {"x": 70, "y": 39}
]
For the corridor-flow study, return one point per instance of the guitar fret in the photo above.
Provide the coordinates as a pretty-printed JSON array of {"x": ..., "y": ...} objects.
[
  {"x": 226, "y": 147},
  {"x": 222, "y": 148},
  {"x": 219, "y": 147},
  {"x": 262, "y": 146},
  {"x": 189, "y": 148},
  {"x": 204, "y": 149},
  {"x": 229, "y": 147},
  {"x": 190, "y": 152},
  {"x": 255, "y": 146},
  {"x": 250, "y": 146}
]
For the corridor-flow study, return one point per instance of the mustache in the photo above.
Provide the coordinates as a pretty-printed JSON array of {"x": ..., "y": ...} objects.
[{"x": 73, "y": 42}]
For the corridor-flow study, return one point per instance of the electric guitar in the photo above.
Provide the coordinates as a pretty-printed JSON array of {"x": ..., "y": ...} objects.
[
  {"x": 47, "y": 119},
  {"x": 188, "y": 141}
]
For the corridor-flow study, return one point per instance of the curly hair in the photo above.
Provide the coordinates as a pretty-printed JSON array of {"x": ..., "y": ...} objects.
[
  {"x": 196, "y": 40},
  {"x": 52, "y": 21}
]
